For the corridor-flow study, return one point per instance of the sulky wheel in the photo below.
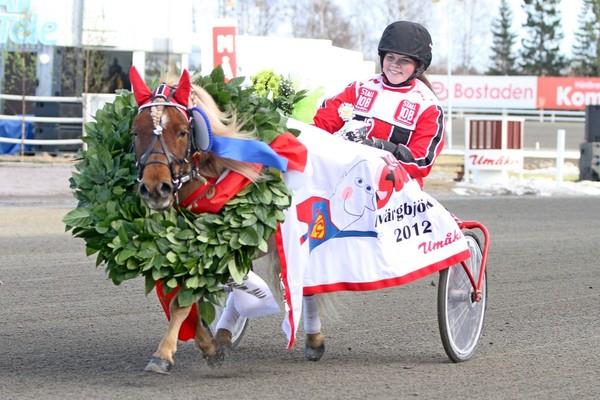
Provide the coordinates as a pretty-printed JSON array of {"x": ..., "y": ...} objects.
[{"x": 461, "y": 318}]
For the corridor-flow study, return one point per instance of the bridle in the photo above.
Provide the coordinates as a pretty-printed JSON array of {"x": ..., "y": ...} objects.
[
  {"x": 163, "y": 96},
  {"x": 200, "y": 137}
]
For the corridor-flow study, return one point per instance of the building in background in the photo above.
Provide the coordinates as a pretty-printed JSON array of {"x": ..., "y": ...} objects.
[
  {"x": 68, "y": 47},
  {"x": 84, "y": 45}
]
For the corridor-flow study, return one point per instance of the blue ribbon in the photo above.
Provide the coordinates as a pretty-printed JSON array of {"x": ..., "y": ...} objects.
[{"x": 248, "y": 150}]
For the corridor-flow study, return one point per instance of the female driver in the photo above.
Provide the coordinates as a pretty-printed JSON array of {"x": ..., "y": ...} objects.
[{"x": 398, "y": 105}]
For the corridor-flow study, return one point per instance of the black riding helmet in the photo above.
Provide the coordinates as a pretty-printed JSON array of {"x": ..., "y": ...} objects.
[{"x": 407, "y": 38}]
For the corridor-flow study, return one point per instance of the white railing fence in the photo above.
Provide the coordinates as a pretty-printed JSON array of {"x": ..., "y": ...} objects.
[
  {"x": 90, "y": 102},
  {"x": 528, "y": 114},
  {"x": 34, "y": 119}
]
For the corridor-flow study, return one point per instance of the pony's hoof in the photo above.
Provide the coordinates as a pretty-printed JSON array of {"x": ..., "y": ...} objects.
[
  {"x": 216, "y": 360},
  {"x": 223, "y": 339},
  {"x": 159, "y": 366},
  {"x": 314, "y": 353}
]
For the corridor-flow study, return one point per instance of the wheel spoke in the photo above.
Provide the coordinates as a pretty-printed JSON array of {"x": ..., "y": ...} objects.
[{"x": 461, "y": 318}]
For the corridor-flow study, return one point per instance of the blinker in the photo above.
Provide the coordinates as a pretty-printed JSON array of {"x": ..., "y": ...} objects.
[{"x": 202, "y": 137}]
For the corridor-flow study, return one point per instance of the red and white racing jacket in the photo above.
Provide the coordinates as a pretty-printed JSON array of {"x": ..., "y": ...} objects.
[{"x": 408, "y": 115}]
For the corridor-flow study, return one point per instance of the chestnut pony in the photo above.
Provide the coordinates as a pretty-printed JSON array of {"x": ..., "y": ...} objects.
[
  {"x": 173, "y": 163},
  {"x": 171, "y": 166}
]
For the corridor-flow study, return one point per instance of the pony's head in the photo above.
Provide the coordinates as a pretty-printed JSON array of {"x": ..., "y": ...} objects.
[
  {"x": 173, "y": 137},
  {"x": 163, "y": 143}
]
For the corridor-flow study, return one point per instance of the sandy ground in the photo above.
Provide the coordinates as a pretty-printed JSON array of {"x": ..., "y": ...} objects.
[
  {"x": 35, "y": 180},
  {"x": 67, "y": 332}
]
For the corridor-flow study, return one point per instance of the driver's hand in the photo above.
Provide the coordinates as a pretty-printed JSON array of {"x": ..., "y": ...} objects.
[
  {"x": 368, "y": 142},
  {"x": 354, "y": 136}
]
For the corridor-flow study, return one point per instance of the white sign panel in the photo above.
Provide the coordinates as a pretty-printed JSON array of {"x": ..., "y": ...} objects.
[{"x": 480, "y": 91}]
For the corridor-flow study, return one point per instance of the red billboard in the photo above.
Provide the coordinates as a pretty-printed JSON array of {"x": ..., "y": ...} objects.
[
  {"x": 570, "y": 93},
  {"x": 224, "y": 50}
]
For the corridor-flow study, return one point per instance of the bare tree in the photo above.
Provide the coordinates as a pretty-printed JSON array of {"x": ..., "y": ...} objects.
[
  {"x": 471, "y": 31},
  {"x": 369, "y": 22},
  {"x": 367, "y": 33},
  {"x": 260, "y": 17},
  {"x": 396, "y": 10},
  {"x": 322, "y": 19}
]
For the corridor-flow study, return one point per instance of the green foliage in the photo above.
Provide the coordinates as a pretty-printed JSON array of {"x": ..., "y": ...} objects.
[
  {"x": 19, "y": 72},
  {"x": 93, "y": 66},
  {"x": 281, "y": 90},
  {"x": 305, "y": 109},
  {"x": 586, "y": 58},
  {"x": 257, "y": 113},
  {"x": 198, "y": 252},
  {"x": 266, "y": 83},
  {"x": 540, "y": 54},
  {"x": 503, "y": 59}
]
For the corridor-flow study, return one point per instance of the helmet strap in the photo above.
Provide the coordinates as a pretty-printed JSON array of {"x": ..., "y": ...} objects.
[{"x": 418, "y": 72}]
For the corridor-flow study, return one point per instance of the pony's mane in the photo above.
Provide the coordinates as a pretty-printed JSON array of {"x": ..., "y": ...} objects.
[{"x": 222, "y": 124}]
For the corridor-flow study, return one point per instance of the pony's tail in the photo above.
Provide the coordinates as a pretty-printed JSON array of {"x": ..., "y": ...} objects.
[{"x": 269, "y": 268}]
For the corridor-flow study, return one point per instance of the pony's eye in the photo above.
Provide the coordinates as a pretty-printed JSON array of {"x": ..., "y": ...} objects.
[{"x": 182, "y": 133}]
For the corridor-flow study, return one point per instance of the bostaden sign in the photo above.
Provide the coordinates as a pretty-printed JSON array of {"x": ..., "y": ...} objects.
[
  {"x": 20, "y": 25},
  {"x": 522, "y": 92},
  {"x": 481, "y": 91}
]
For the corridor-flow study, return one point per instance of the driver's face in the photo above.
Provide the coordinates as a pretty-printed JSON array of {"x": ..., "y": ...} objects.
[{"x": 398, "y": 68}]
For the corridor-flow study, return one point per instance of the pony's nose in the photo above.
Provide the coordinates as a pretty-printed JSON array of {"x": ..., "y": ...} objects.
[
  {"x": 162, "y": 191},
  {"x": 144, "y": 192},
  {"x": 165, "y": 189}
]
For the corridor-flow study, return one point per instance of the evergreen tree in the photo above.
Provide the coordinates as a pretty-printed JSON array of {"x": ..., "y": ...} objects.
[
  {"x": 540, "y": 53},
  {"x": 586, "y": 59},
  {"x": 503, "y": 59}
]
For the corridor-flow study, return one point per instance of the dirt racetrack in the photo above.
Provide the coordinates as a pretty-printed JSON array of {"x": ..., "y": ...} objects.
[{"x": 68, "y": 333}]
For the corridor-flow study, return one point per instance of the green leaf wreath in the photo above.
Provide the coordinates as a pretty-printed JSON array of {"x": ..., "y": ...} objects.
[{"x": 198, "y": 252}]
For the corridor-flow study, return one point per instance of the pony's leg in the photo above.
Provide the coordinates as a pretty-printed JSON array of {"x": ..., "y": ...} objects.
[
  {"x": 225, "y": 325},
  {"x": 211, "y": 352},
  {"x": 162, "y": 360},
  {"x": 315, "y": 341}
]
